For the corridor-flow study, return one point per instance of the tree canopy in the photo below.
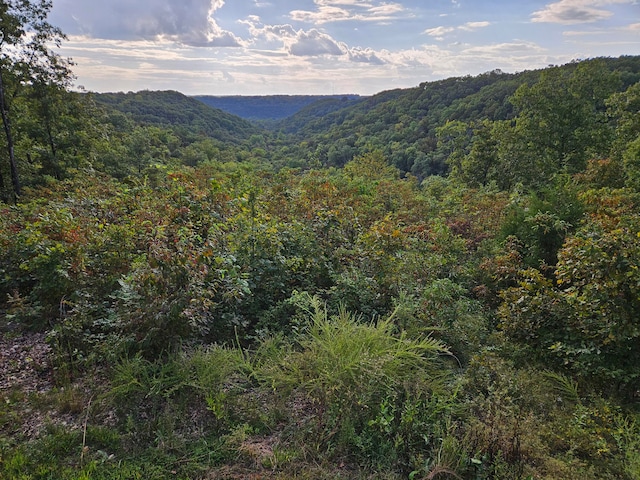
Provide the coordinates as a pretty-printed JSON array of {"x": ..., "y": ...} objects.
[{"x": 26, "y": 64}]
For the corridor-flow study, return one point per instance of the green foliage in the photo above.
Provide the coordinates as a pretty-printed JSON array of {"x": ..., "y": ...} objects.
[
  {"x": 173, "y": 108},
  {"x": 27, "y": 65},
  {"x": 523, "y": 424},
  {"x": 560, "y": 124},
  {"x": 563, "y": 386},
  {"x": 627, "y": 437},
  {"x": 277, "y": 107},
  {"x": 542, "y": 221},
  {"x": 563, "y": 117},
  {"x": 586, "y": 316},
  {"x": 157, "y": 401},
  {"x": 623, "y": 108},
  {"x": 344, "y": 367},
  {"x": 454, "y": 317},
  {"x": 250, "y": 319}
]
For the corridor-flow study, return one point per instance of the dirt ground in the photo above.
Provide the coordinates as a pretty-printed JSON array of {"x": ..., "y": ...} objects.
[{"x": 25, "y": 363}]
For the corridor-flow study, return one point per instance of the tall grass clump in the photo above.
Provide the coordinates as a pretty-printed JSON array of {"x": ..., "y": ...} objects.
[{"x": 361, "y": 389}]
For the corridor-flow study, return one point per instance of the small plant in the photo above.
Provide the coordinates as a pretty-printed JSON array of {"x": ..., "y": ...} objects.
[
  {"x": 565, "y": 388},
  {"x": 627, "y": 436}
]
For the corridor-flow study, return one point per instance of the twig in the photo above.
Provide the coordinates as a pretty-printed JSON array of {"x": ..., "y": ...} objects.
[
  {"x": 438, "y": 470},
  {"x": 84, "y": 432}
]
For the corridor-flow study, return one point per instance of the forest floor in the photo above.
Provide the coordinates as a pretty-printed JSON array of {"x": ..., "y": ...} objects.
[
  {"x": 25, "y": 363},
  {"x": 33, "y": 405},
  {"x": 31, "y": 400}
]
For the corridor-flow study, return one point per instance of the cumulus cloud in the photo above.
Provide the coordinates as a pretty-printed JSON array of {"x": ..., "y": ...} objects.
[
  {"x": 294, "y": 42},
  {"x": 307, "y": 43},
  {"x": 270, "y": 33},
  {"x": 365, "y": 55},
  {"x": 186, "y": 21},
  {"x": 571, "y": 12},
  {"x": 313, "y": 49},
  {"x": 313, "y": 43}
]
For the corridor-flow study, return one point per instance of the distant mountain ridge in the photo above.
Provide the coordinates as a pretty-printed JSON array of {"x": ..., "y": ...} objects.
[{"x": 268, "y": 107}]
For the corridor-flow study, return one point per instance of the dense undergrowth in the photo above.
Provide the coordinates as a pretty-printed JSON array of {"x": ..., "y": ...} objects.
[
  {"x": 433, "y": 283},
  {"x": 223, "y": 322}
]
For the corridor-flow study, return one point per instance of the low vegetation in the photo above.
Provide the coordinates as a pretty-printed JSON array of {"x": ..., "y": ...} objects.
[{"x": 454, "y": 295}]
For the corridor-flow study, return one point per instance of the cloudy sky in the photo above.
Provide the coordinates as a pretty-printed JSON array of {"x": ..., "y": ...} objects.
[{"x": 255, "y": 47}]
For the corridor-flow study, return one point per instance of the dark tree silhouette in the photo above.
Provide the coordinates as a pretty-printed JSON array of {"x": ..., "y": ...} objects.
[{"x": 25, "y": 60}]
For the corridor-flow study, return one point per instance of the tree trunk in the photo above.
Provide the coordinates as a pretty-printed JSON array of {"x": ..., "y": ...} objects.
[
  {"x": 6, "y": 122},
  {"x": 3, "y": 197}
]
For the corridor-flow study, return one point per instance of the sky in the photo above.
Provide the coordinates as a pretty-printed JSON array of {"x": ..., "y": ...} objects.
[{"x": 268, "y": 47}]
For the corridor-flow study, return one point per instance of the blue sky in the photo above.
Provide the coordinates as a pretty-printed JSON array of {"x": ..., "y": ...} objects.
[{"x": 260, "y": 47}]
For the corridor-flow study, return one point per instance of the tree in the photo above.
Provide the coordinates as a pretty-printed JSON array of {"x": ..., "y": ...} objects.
[
  {"x": 561, "y": 119},
  {"x": 585, "y": 318},
  {"x": 25, "y": 60},
  {"x": 623, "y": 109},
  {"x": 454, "y": 138}
]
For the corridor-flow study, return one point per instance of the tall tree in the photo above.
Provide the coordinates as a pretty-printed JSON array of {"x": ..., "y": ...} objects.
[
  {"x": 561, "y": 119},
  {"x": 624, "y": 110},
  {"x": 25, "y": 60}
]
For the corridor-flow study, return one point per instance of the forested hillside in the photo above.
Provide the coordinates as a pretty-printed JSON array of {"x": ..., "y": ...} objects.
[
  {"x": 179, "y": 111},
  {"x": 436, "y": 282},
  {"x": 269, "y": 107},
  {"x": 409, "y": 125}
]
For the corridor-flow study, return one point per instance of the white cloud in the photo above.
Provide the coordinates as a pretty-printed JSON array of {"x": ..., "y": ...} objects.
[
  {"x": 306, "y": 43},
  {"x": 189, "y": 22},
  {"x": 386, "y": 10},
  {"x": 571, "y": 12},
  {"x": 314, "y": 43},
  {"x": 501, "y": 50},
  {"x": 173, "y": 44},
  {"x": 365, "y": 55},
  {"x": 470, "y": 26},
  {"x": 324, "y": 14},
  {"x": 303, "y": 62},
  {"x": 439, "y": 32},
  {"x": 354, "y": 10},
  {"x": 270, "y": 33},
  {"x": 286, "y": 39}
]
